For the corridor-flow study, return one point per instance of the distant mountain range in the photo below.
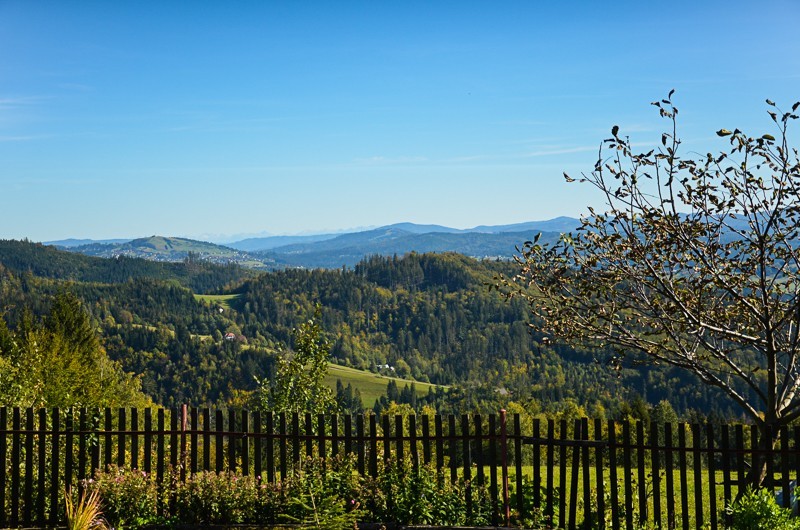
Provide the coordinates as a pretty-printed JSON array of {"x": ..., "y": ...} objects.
[{"x": 331, "y": 250}]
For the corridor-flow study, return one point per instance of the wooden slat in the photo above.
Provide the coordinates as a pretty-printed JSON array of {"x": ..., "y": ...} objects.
[
  {"x": 655, "y": 460},
  {"x": 335, "y": 435},
  {"x": 549, "y": 510},
  {"x": 612, "y": 471},
  {"x": 587, "y": 486},
  {"x": 295, "y": 438},
  {"x": 348, "y": 434},
  {"x": 219, "y": 442},
  {"x": 193, "y": 439},
  {"x": 122, "y": 424},
  {"x": 518, "y": 466},
  {"x": 108, "y": 438},
  {"x": 387, "y": 447},
  {"x": 233, "y": 454},
  {"x": 682, "y": 465},
  {"x": 426, "y": 439},
  {"x": 562, "y": 483},
  {"x": 493, "y": 489},
  {"x": 42, "y": 471},
  {"x": 270, "y": 430},
  {"x": 756, "y": 457},
  {"x": 28, "y": 504},
  {"x": 641, "y": 472},
  {"x": 626, "y": 459},
  {"x": 698, "y": 483},
  {"x": 55, "y": 483},
  {"x": 452, "y": 446},
  {"x": 712, "y": 477},
  {"x": 361, "y": 460},
  {"x": 740, "y": 459},
  {"x": 69, "y": 442},
  {"x": 373, "y": 445},
  {"x": 480, "y": 478},
  {"x": 398, "y": 437},
  {"x": 726, "y": 469},
  {"x": 148, "y": 440},
  {"x": 16, "y": 451},
  {"x": 599, "y": 482},
  {"x": 258, "y": 450},
  {"x": 573, "y": 489},
  {"x": 283, "y": 444},
  {"x": 206, "y": 439},
  {"x": 321, "y": 445},
  {"x": 412, "y": 444},
  {"x": 439, "y": 433},
  {"x": 467, "y": 462},
  {"x": 668, "y": 467},
  {"x": 245, "y": 438},
  {"x": 134, "y": 439},
  {"x": 160, "y": 454}
]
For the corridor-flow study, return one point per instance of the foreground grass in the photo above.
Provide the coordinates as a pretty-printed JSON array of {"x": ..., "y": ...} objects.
[{"x": 561, "y": 510}]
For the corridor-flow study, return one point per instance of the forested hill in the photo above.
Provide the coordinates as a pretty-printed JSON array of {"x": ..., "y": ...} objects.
[
  {"x": 48, "y": 262},
  {"x": 430, "y": 317}
]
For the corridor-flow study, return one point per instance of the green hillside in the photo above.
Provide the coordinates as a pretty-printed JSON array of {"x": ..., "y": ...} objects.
[{"x": 372, "y": 386}]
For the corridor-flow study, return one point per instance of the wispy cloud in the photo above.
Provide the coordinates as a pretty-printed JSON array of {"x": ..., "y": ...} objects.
[
  {"x": 22, "y": 138},
  {"x": 20, "y": 101}
]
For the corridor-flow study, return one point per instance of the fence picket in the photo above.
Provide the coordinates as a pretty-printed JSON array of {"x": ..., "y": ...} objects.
[
  {"x": 42, "y": 475},
  {"x": 517, "y": 435},
  {"x": 641, "y": 472},
  {"x": 698, "y": 470},
  {"x": 612, "y": 469},
  {"x": 668, "y": 461},
  {"x": 28, "y": 465},
  {"x": 550, "y": 506},
  {"x": 134, "y": 438},
  {"x": 712, "y": 476},
  {"x": 573, "y": 490}
]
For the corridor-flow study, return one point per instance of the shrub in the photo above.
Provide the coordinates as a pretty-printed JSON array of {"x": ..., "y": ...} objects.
[
  {"x": 323, "y": 494},
  {"x": 758, "y": 510},
  {"x": 408, "y": 496},
  {"x": 217, "y": 498},
  {"x": 129, "y": 497}
]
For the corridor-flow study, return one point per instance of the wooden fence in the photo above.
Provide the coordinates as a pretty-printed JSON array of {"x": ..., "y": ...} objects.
[{"x": 576, "y": 474}]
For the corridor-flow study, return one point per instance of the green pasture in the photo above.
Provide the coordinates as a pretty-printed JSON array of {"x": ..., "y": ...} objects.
[
  {"x": 372, "y": 386},
  {"x": 223, "y": 300}
]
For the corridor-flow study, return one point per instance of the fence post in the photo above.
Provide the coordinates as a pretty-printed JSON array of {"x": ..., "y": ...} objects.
[{"x": 504, "y": 453}]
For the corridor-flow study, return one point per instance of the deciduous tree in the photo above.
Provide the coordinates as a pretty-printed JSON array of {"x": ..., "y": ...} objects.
[{"x": 692, "y": 261}]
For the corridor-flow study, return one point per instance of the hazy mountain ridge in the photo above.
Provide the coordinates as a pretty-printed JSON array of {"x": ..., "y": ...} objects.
[{"x": 335, "y": 250}]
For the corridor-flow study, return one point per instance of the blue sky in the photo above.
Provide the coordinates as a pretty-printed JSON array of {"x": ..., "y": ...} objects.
[{"x": 213, "y": 119}]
